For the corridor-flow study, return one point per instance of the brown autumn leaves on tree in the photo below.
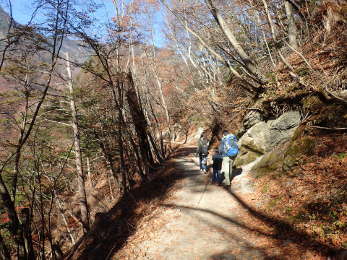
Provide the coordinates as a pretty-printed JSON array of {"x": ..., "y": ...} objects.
[{"x": 84, "y": 133}]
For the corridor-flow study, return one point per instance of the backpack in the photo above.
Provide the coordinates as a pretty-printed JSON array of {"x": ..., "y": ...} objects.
[{"x": 230, "y": 147}]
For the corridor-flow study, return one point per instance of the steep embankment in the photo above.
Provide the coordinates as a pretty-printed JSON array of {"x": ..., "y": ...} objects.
[
  {"x": 298, "y": 126},
  {"x": 300, "y": 175}
]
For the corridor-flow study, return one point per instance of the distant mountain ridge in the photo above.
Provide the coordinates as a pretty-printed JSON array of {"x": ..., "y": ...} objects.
[
  {"x": 4, "y": 22},
  {"x": 73, "y": 47}
]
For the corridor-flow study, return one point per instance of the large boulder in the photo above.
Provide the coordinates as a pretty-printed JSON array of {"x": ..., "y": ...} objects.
[
  {"x": 252, "y": 118},
  {"x": 255, "y": 139},
  {"x": 252, "y": 144},
  {"x": 286, "y": 156},
  {"x": 269, "y": 162},
  {"x": 287, "y": 121},
  {"x": 246, "y": 158},
  {"x": 263, "y": 137}
]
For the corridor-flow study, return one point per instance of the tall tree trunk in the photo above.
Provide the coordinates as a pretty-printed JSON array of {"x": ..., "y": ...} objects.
[
  {"x": 268, "y": 16},
  {"x": 160, "y": 87},
  {"x": 15, "y": 226},
  {"x": 89, "y": 174},
  {"x": 64, "y": 220},
  {"x": 283, "y": 59},
  {"x": 108, "y": 156},
  {"x": 78, "y": 154},
  {"x": 265, "y": 40},
  {"x": 139, "y": 121},
  {"x": 155, "y": 148},
  {"x": 140, "y": 165},
  {"x": 292, "y": 29},
  {"x": 246, "y": 60},
  {"x": 26, "y": 229},
  {"x": 123, "y": 167}
]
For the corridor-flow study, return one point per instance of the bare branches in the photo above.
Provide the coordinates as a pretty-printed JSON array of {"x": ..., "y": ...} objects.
[{"x": 26, "y": 130}]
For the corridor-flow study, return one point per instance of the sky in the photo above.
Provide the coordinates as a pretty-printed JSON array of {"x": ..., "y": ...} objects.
[{"x": 22, "y": 10}]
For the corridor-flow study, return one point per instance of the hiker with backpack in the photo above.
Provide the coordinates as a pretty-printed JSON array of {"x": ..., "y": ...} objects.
[
  {"x": 228, "y": 149},
  {"x": 202, "y": 152}
]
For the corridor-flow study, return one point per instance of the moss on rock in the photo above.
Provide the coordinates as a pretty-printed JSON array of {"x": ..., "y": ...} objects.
[
  {"x": 246, "y": 158},
  {"x": 298, "y": 147},
  {"x": 312, "y": 103},
  {"x": 271, "y": 161},
  {"x": 284, "y": 157}
]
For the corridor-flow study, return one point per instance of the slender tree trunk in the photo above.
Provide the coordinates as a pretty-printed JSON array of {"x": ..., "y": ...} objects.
[
  {"x": 65, "y": 221},
  {"x": 265, "y": 40},
  {"x": 155, "y": 148},
  {"x": 108, "y": 157},
  {"x": 247, "y": 61},
  {"x": 292, "y": 29},
  {"x": 10, "y": 207},
  {"x": 78, "y": 154},
  {"x": 89, "y": 174},
  {"x": 268, "y": 16},
  {"x": 14, "y": 228},
  {"x": 26, "y": 225},
  {"x": 140, "y": 165},
  {"x": 283, "y": 59},
  {"x": 123, "y": 167},
  {"x": 160, "y": 87}
]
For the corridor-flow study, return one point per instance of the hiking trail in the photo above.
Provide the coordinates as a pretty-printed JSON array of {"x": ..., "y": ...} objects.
[{"x": 200, "y": 221}]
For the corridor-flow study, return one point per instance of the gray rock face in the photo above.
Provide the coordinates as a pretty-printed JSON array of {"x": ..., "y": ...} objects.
[
  {"x": 251, "y": 119},
  {"x": 263, "y": 137},
  {"x": 286, "y": 121},
  {"x": 255, "y": 139}
]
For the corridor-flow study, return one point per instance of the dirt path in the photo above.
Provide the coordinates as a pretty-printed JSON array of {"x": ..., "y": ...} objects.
[
  {"x": 179, "y": 215},
  {"x": 198, "y": 221}
]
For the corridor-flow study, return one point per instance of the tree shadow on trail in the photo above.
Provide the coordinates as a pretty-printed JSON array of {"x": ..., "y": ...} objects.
[
  {"x": 282, "y": 231},
  {"x": 111, "y": 230},
  {"x": 240, "y": 247}
]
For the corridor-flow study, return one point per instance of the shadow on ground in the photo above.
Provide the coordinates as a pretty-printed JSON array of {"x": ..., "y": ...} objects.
[
  {"x": 111, "y": 230},
  {"x": 282, "y": 232}
]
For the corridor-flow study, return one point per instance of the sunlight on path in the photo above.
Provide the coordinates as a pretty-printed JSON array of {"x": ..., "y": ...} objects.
[{"x": 201, "y": 221}]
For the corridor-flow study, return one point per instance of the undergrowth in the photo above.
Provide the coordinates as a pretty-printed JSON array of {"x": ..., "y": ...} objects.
[{"x": 312, "y": 194}]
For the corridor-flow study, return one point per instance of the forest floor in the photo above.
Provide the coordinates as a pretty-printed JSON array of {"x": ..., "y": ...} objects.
[{"x": 198, "y": 220}]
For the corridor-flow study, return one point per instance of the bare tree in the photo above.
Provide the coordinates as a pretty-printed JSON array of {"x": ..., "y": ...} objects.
[
  {"x": 8, "y": 195},
  {"x": 78, "y": 154},
  {"x": 245, "y": 58},
  {"x": 292, "y": 28}
]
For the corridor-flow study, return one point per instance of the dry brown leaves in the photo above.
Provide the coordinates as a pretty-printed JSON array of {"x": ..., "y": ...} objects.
[{"x": 312, "y": 196}]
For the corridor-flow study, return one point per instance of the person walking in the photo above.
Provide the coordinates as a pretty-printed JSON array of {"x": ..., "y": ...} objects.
[
  {"x": 217, "y": 159},
  {"x": 228, "y": 149},
  {"x": 202, "y": 152}
]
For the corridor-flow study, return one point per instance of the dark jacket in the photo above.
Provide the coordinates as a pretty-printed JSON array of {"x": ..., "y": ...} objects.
[
  {"x": 202, "y": 146},
  {"x": 217, "y": 162}
]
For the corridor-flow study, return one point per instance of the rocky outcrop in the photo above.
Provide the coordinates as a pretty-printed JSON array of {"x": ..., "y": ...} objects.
[
  {"x": 285, "y": 157},
  {"x": 252, "y": 118},
  {"x": 264, "y": 136},
  {"x": 269, "y": 162}
]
